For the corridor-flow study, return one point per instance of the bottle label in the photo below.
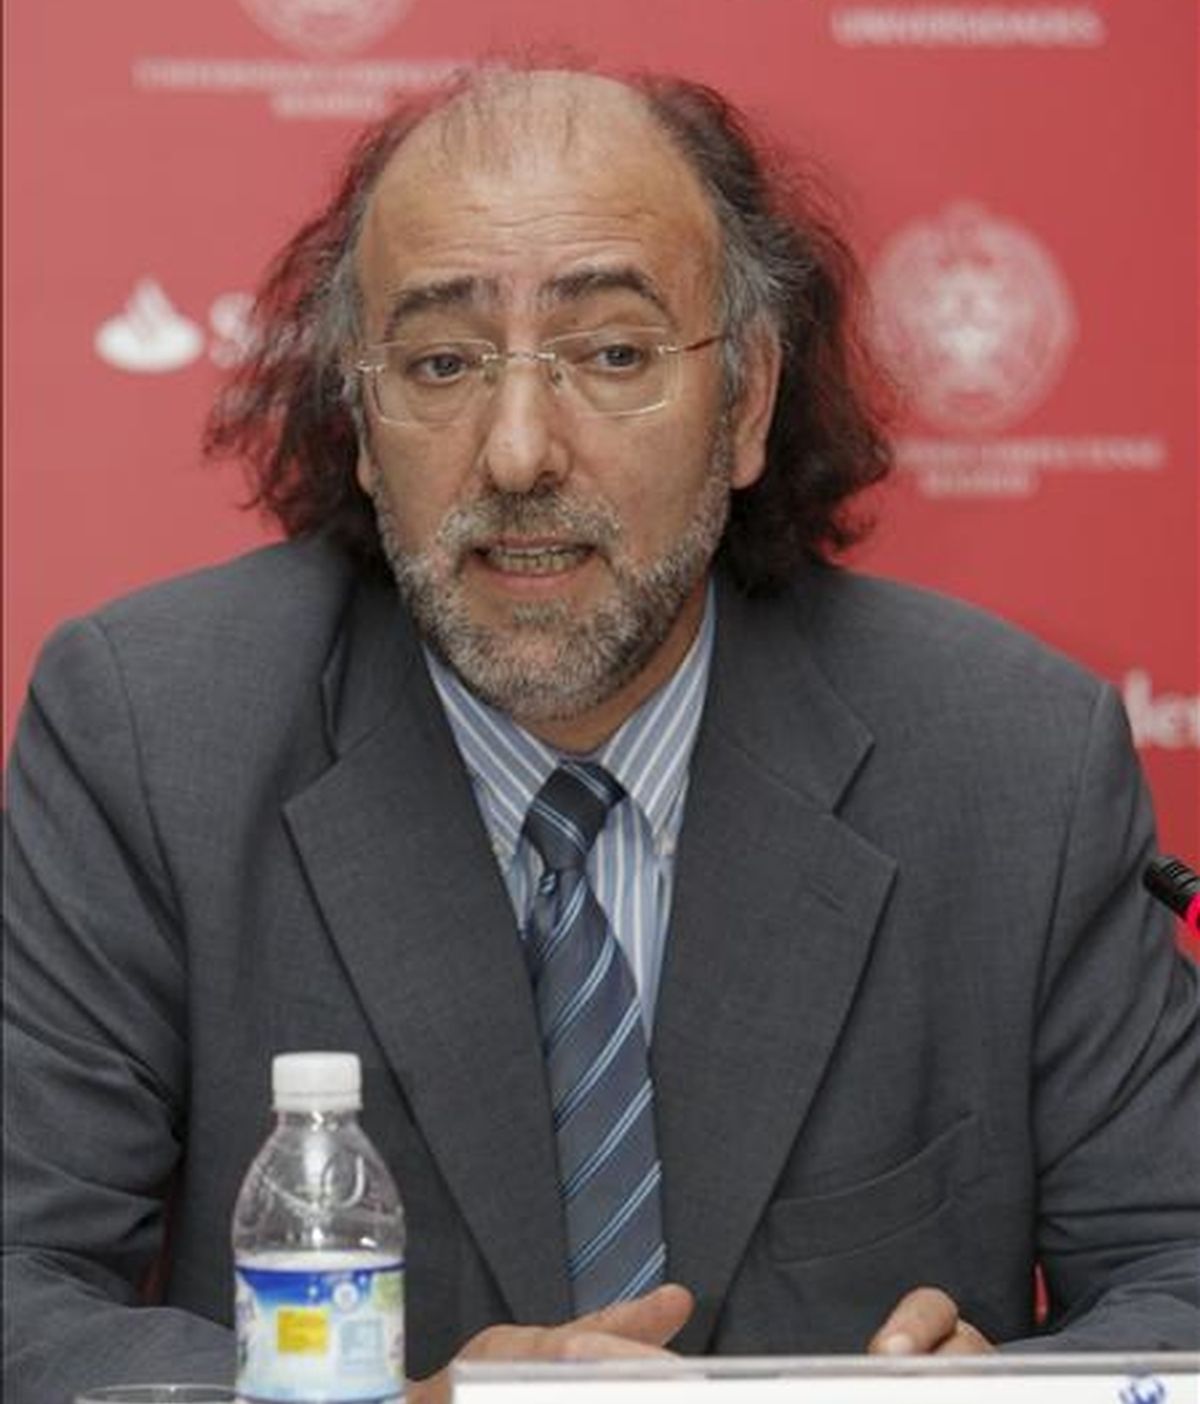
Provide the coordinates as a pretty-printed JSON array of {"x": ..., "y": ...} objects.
[{"x": 332, "y": 1333}]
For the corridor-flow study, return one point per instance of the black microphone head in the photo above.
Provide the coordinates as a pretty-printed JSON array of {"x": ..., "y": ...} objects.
[{"x": 1172, "y": 882}]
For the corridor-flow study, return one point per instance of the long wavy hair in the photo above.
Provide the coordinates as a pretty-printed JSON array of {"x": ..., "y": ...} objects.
[{"x": 291, "y": 410}]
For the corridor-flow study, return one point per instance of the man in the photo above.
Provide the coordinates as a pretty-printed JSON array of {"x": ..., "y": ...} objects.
[{"x": 864, "y": 905}]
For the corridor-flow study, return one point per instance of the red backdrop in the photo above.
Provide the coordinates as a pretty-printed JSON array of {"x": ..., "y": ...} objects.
[{"x": 1020, "y": 178}]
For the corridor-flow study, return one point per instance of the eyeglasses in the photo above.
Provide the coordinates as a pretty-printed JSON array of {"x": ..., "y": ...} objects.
[{"x": 614, "y": 372}]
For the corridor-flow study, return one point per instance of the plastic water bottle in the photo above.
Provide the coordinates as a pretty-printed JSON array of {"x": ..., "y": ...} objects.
[{"x": 318, "y": 1246}]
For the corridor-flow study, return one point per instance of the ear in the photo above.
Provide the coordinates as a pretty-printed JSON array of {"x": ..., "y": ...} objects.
[
  {"x": 366, "y": 470},
  {"x": 750, "y": 417},
  {"x": 353, "y": 398}
]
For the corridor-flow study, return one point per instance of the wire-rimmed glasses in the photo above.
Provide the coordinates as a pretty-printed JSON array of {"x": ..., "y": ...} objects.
[{"x": 612, "y": 372}]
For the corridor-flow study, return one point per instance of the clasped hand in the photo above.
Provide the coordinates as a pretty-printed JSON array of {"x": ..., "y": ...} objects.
[{"x": 924, "y": 1322}]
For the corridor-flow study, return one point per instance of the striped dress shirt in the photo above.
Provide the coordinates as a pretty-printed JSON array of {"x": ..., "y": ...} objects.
[{"x": 632, "y": 864}]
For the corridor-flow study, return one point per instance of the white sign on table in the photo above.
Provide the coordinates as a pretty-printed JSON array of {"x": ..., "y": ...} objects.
[{"x": 988, "y": 1379}]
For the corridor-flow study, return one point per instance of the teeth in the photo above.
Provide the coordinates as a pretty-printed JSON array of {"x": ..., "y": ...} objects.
[{"x": 534, "y": 560}]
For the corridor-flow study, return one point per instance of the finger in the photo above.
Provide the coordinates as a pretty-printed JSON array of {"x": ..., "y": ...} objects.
[
  {"x": 435, "y": 1389},
  {"x": 514, "y": 1343},
  {"x": 919, "y": 1323},
  {"x": 602, "y": 1345},
  {"x": 648, "y": 1321},
  {"x": 652, "y": 1319},
  {"x": 965, "y": 1340}
]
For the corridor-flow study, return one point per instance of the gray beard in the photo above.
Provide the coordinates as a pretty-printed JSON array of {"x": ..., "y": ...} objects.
[{"x": 548, "y": 663}]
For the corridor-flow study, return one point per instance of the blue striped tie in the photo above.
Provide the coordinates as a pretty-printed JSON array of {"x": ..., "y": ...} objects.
[{"x": 595, "y": 1052}]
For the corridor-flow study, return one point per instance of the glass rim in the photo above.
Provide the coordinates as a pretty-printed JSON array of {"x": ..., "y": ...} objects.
[
  {"x": 668, "y": 355},
  {"x": 671, "y": 346},
  {"x": 165, "y": 1392}
]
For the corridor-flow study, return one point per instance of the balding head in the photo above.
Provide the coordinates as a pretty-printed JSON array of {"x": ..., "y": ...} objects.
[
  {"x": 502, "y": 118},
  {"x": 567, "y": 165}
]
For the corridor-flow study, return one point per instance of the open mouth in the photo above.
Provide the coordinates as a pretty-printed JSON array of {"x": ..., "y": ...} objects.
[{"x": 536, "y": 559}]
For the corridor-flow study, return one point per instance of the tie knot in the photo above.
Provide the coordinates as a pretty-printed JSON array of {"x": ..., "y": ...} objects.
[{"x": 569, "y": 811}]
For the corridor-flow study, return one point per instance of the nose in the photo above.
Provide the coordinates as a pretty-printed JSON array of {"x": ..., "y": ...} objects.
[{"x": 522, "y": 442}]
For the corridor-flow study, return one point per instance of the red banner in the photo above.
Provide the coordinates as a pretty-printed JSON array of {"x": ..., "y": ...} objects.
[{"x": 1020, "y": 179}]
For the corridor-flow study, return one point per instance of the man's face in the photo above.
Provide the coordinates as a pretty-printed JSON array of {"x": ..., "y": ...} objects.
[{"x": 556, "y": 560}]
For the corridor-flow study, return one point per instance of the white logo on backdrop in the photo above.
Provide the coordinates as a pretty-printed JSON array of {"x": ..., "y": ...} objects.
[
  {"x": 1170, "y": 720},
  {"x": 975, "y": 317},
  {"x": 977, "y": 322},
  {"x": 326, "y": 27},
  {"x": 150, "y": 336},
  {"x": 229, "y": 318},
  {"x": 989, "y": 26},
  {"x": 327, "y": 81}
]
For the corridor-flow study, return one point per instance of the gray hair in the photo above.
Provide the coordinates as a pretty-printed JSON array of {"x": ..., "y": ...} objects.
[{"x": 293, "y": 411}]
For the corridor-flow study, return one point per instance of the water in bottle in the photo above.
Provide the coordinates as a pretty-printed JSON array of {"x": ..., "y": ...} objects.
[{"x": 318, "y": 1245}]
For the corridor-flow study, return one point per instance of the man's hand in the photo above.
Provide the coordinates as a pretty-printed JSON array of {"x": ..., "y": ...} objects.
[
  {"x": 925, "y": 1321},
  {"x": 640, "y": 1327}
]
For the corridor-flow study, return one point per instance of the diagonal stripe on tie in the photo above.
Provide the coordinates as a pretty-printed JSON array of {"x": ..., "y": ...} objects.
[
  {"x": 595, "y": 1051},
  {"x": 599, "y": 1157},
  {"x": 607, "y": 1235},
  {"x": 648, "y": 1275},
  {"x": 565, "y": 1017},
  {"x": 603, "y": 1061}
]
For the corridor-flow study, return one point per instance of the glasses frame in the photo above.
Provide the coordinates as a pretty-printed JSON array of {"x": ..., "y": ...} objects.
[{"x": 372, "y": 362}]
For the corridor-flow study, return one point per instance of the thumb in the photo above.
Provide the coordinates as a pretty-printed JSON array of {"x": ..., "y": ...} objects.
[{"x": 652, "y": 1319}]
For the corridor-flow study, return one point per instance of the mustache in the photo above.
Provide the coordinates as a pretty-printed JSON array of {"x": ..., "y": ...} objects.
[{"x": 543, "y": 512}]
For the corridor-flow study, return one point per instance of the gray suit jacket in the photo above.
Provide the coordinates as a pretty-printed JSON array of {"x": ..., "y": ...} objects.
[{"x": 917, "y": 1023}]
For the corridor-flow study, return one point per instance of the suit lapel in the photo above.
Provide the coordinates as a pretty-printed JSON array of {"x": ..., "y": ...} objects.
[
  {"x": 775, "y": 905},
  {"x": 399, "y": 861},
  {"x": 776, "y": 901}
]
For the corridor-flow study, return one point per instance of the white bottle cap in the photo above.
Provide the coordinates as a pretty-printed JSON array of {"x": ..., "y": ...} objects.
[{"x": 316, "y": 1082}]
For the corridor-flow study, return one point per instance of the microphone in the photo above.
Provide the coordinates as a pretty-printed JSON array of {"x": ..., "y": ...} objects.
[{"x": 1176, "y": 886}]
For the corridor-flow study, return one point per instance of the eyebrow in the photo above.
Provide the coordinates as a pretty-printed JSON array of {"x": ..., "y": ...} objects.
[
  {"x": 582, "y": 282},
  {"x": 566, "y": 288},
  {"x": 451, "y": 292}
]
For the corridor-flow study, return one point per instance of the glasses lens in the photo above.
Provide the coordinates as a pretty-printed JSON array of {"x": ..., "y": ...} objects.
[
  {"x": 612, "y": 371},
  {"x": 429, "y": 383},
  {"x": 616, "y": 370}
]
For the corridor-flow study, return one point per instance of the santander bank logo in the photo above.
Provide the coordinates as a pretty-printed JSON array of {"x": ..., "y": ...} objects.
[
  {"x": 975, "y": 316},
  {"x": 150, "y": 336},
  {"x": 325, "y": 27}
]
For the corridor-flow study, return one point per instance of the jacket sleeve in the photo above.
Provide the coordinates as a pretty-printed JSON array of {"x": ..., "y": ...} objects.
[
  {"x": 95, "y": 1029},
  {"x": 1116, "y": 1077}
]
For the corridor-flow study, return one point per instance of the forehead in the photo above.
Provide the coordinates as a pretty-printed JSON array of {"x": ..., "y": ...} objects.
[{"x": 510, "y": 198}]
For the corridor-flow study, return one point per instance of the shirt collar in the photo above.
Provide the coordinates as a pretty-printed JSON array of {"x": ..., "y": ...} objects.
[{"x": 649, "y": 753}]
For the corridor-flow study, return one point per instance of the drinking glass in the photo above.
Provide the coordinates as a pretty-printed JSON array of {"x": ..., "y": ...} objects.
[{"x": 158, "y": 1394}]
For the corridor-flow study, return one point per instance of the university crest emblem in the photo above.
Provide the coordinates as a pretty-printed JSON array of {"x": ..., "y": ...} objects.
[
  {"x": 326, "y": 28},
  {"x": 974, "y": 317}
]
